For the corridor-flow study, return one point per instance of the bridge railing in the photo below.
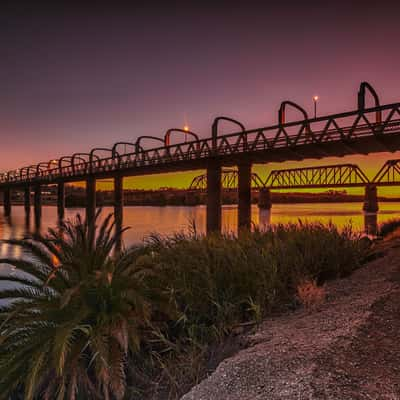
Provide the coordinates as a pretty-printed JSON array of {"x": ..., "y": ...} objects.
[{"x": 338, "y": 127}]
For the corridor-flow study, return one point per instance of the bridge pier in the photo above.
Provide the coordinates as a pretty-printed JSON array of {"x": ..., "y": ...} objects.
[
  {"x": 118, "y": 208},
  {"x": 370, "y": 199},
  {"x": 214, "y": 202},
  {"x": 244, "y": 201},
  {"x": 27, "y": 201},
  {"x": 37, "y": 204},
  {"x": 190, "y": 198},
  {"x": 7, "y": 202},
  {"x": 264, "y": 199},
  {"x": 90, "y": 200},
  {"x": 60, "y": 200}
]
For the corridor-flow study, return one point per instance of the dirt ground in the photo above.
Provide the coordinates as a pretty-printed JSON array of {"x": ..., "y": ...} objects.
[{"x": 347, "y": 348}]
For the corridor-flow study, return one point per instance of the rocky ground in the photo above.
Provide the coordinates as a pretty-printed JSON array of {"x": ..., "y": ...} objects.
[{"x": 347, "y": 348}]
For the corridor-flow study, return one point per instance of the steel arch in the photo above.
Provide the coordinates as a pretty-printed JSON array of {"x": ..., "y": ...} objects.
[
  {"x": 361, "y": 99},
  {"x": 170, "y": 131},
  {"x": 214, "y": 128}
]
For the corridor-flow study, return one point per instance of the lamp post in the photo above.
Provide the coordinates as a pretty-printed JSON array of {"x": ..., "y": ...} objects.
[
  {"x": 186, "y": 129},
  {"x": 315, "y": 99}
]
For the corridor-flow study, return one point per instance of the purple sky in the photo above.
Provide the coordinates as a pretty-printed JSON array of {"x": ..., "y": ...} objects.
[{"x": 76, "y": 79}]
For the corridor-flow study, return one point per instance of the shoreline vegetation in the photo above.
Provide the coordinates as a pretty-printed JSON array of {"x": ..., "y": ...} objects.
[
  {"x": 76, "y": 197},
  {"x": 84, "y": 322}
]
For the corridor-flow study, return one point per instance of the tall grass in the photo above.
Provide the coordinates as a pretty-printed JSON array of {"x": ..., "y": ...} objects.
[
  {"x": 218, "y": 282},
  {"x": 389, "y": 227}
]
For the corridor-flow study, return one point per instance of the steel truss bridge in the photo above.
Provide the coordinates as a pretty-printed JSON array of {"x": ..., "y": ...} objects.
[
  {"x": 339, "y": 175},
  {"x": 361, "y": 131}
]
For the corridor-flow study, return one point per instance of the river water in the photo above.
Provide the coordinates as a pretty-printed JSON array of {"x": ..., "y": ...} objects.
[{"x": 165, "y": 220}]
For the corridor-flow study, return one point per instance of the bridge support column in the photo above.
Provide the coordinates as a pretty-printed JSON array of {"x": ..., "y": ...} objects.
[
  {"x": 264, "y": 199},
  {"x": 90, "y": 200},
  {"x": 7, "y": 202},
  {"x": 214, "y": 190},
  {"x": 118, "y": 208},
  {"x": 190, "y": 198},
  {"x": 37, "y": 204},
  {"x": 60, "y": 200},
  {"x": 370, "y": 199},
  {"x": 244, "y": 201},
  {"x": 27, "y": 201}
]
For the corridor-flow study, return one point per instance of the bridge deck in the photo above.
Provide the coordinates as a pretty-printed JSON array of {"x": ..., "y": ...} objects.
[{"x": 334, "y": 135}]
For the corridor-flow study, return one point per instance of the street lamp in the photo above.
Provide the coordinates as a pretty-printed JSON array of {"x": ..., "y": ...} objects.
[
  {"x": 186, "y": 129},
  {"x": 315, "y": 99}
]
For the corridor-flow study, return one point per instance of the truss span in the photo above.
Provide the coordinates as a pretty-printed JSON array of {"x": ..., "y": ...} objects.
[
  {"x": 317, "y": 177},
  {"x": 229, "y": 180}
]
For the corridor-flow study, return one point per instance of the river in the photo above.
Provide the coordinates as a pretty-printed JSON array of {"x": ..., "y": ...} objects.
[{"x": 165, "y": 220}]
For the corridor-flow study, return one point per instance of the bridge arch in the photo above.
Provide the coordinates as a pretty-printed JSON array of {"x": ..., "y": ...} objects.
[
  {"x": 24, "y": 172},
  {"x": 115, "y": 147},
  {"x": 92, "y": 155},
  {"x": 214, "y": 128},
  {"x": 139, "y": 148},
  {"x": 83, "y": 158},
  {"x": 364, "y": 87},
  {"x": 167, "y": 135},
  {"x": 42, "y": 166},
  {"x": 69, "y": 160},
  {"x": 282, "y": 111}
]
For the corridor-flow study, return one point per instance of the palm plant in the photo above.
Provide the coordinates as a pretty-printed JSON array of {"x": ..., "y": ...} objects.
[{"x": 75, "y": 313}]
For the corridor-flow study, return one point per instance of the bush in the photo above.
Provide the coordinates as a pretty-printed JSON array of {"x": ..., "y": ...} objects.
[
  {"x": 221, "y": 281},
  {"x": 389, "y": 227}
]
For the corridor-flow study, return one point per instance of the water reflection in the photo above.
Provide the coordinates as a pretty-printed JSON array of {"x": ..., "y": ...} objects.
[
  {"x": 264, "y": 218},
  {"x": 165, "y": 220},
  {"x": 371, "y": 224}
]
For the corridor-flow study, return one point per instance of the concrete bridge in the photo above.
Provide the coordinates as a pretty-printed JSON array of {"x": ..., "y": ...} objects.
[{"x": 364, "y": 130}]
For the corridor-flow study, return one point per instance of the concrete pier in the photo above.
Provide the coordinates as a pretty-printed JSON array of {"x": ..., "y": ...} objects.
[
  {"x": 90, "y": 200},
  {"x": 27, "y": 201},
  {"x": 37, "y": 204},
  {"x": 244, "y": 198},
  {"x": 61, "y": 200},
  {"x": 7, "y": 202},
  {"x": 214, "y": 190},
  {"x": 118, "y": 207},
  {"x": 264, "y": 199},
  {"x": 191, "y": 198},
  {"x": 371, "y": 199}
]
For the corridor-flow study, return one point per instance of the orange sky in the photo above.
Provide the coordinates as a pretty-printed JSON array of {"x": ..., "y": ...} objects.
[{"x": 369, "y": 164}]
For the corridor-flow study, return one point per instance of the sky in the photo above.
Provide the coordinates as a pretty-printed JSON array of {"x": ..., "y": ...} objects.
[{"x": 74, "y": 78}]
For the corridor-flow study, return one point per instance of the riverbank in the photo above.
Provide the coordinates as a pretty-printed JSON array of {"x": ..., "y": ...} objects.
[
  {"x": 76, "y": 197},
  {"x": 345, "y": 347}
]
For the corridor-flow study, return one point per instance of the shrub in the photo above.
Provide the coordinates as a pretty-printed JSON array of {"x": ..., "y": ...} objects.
[{"x": 389, "y": 227}]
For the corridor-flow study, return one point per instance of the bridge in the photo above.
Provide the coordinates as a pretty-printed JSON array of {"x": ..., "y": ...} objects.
[
  {"x": 325, "y": 176},
  {"x": 229, "y": 180},
  {"x": 364, "y": 130}
]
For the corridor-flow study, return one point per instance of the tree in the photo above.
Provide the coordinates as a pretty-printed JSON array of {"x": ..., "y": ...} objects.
[{"x": 75, "y": 313}]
